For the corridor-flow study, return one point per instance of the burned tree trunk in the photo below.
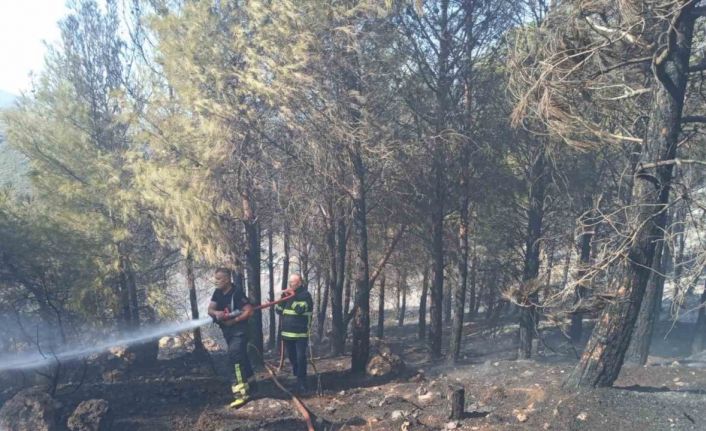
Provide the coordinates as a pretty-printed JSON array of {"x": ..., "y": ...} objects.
[
  {"x": 437, "y": 286},
  {"x": 381, "y": 308},
  {"x": 361, "y": 313},
  {"x": 567, "y": 265},
  {"x": 191, "y": 285},
  {"x": 472, "y": 301},
  {"x": 699, "y": 341},
  {"x": 649, "y": 313},
  {"x": 458, "y": 403},
  {"x": 438, "y": 177},
  {"x": 285, "y": 269},
  {"x": 323, "y": 308},
  {"x": 535, "y": 215},
  {"x": 132, "y": 289},
  {"x": 604, "y": 355},
  {"x": 422, "y": 326},
  {"x": 338, "y": 249},
  {"x": 285, "y": 255},
  {"x": 402, "y": 289},
  {"x": 272, "y": 339},
  {"x": 252, "y": 262},
  {"x": 448, "y": 300},
  {"x": 587, "y": 232},
  {"x": 460, "y": 290},
  {"x": 347, "y": 291}
]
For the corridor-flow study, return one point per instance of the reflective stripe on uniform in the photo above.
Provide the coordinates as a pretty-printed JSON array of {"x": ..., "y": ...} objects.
[
  {"x": 240, "y": 388},
  {"x": 295, "y": 334},
  {"x": 302, "y": 303},
  {"x": 294, "y": 313},
  {"x": 238, "y": 374}
]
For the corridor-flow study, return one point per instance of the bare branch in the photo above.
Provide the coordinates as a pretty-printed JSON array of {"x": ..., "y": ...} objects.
[
  {"x": 383, "y": 261},
  {"x": 678, "y": 162},
  {"x": 693, "y": 119}
]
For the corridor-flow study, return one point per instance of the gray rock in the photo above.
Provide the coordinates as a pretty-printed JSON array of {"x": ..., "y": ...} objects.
[
  {"x": 91, "y": 415},
  {"x": 385, "y": 365},
  {"x": 29, "y": 410}
]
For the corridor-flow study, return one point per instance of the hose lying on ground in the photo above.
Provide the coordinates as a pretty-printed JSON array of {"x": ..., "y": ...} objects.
[{"x": 298, "y": 403}]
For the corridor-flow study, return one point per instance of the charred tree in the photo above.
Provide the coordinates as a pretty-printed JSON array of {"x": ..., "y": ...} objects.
[
  {"x": 462, "y": 284},
  {"x": 422, "y": 326},
  {"x": 323, "y": 308},
  {"x": 347, "y": 290},
  {"x": 605, "y": 352},
  {"x": 381, "y": 308},
  {"x": 285, "y": 268},
  {"x": 360, "y": 350},
  {"x": 535, "y": 216},
  {"x": 252, "y": 262},
  {"x": 193, "y": 302},
  {"x": 582, "y": 287},
  {"x": 272, "y": 339},
  {"x": 402, "y": 289},
  {"x": 473, "y": 280},
  {"x": 649, "y": 311},
  {"x": 448, "y": 300},
  {"x": 699, "y": 341},
  {"x": 337, "y": 249},
  {"x": 438, "y": 176}
]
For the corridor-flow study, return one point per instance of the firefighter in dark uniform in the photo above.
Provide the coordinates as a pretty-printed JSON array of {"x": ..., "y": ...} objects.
[
  {"x": 230, "y": 309},
  {"x": 296, "y": 315}
]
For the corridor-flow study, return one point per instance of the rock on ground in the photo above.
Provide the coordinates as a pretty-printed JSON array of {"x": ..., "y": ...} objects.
[
  {"x": 91, "y": 415},
  {"x": 29, "y": 410},
  {"x": 385, "y": 364}
]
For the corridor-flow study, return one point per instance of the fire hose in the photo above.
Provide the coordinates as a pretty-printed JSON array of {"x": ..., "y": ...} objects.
[{"x": 286, "y": 294}]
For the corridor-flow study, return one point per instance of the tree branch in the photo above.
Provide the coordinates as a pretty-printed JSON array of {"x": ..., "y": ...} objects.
[
  {"x": 383, "y": 261},
  {"x": 376, "y": 273},
  {"x": 643, "y": 166},
  {"x": 694, "y": 119}
]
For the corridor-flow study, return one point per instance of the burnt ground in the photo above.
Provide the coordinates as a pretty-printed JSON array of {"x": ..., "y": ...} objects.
[{"x": 188, "y": 393}]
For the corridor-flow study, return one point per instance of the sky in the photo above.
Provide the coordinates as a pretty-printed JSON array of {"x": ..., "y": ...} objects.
[{"x": 24, "y": 24}]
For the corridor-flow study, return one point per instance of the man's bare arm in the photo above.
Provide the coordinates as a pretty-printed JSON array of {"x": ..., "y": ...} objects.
[{"x": 247, "y": 311}]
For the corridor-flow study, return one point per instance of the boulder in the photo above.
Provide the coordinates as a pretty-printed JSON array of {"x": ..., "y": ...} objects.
[
  {"x": 29, "y": 410},
  {"x": 91, "y": 415},
  {"x": 385, "y": 365},
  {"x": 113, "y": 376},
  {"x": 140, "y": 355}
]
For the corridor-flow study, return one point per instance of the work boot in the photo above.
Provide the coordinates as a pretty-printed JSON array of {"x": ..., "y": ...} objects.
[
  {"x": 241, "y": 395},
  {"x": 302, "y": 387}
]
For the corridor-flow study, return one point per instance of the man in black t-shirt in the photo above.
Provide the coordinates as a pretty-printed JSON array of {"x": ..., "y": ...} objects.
[{"x": 230, "y": 308}]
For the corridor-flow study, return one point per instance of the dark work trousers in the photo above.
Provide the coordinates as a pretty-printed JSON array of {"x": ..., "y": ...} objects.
[
  {"x": 296, "y": 350},
  {"x": 238, "y": 356}
]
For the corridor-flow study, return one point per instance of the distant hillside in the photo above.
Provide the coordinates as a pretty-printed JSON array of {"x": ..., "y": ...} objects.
[
  {"x": 6, "y": 99},
  {"x": 13, "y": 165}
]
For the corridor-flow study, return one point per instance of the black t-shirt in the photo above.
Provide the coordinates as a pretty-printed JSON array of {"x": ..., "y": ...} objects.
[{"x": 235, "y": 299}]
